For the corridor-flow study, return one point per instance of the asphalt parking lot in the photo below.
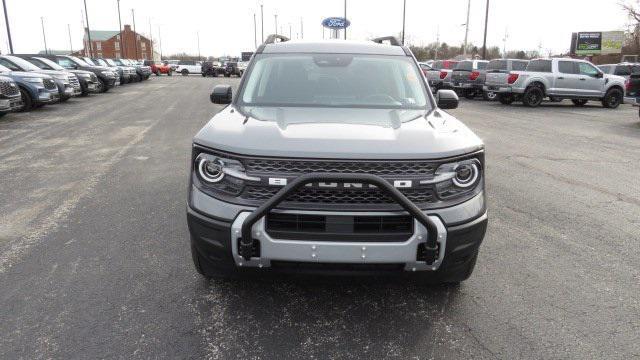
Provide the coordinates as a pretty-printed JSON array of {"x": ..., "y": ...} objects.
[{"x": 95, "y": 261}]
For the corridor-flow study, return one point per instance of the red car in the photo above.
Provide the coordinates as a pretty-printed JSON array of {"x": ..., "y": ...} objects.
[{"x": 159, "y": 68}]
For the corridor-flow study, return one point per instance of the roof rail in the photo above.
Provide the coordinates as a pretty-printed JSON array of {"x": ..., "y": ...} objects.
[
  {"x": 271, "y": 39},
  {"x": 393, "y": 41}
]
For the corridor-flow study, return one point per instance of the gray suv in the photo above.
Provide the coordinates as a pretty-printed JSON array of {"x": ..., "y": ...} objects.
[{"x": 335, "y": 157}]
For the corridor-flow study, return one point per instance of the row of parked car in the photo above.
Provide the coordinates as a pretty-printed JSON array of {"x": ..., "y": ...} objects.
[
  {"x": 30, "y": 81},
  {"x": 531, "y": 82}
]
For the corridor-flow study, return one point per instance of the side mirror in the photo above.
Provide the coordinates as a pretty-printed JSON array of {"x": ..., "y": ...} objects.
[
  {"x": 447, "y": 99},
  {"x": 599, "y": 75},
  {"x": 221, "y": 94}
]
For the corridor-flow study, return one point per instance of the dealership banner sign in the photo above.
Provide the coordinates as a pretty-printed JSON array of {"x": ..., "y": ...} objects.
[{"x": 599, "y": 43}]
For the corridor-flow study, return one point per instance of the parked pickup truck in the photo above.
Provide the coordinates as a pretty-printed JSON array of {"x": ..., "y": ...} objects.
[
  {"x": 497, "y": 72},
  {"x": 468, "y": 77},
  {"x": 578, "y": 80},
  {"x": 439, "y": 76}
]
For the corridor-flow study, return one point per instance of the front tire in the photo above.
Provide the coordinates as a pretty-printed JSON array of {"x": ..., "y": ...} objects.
[
  {"x": 27, "y": 101},
  {"x": 184, "y": 72},
  {"x": 612, "y": 99},
  {"x": 533, "y": 97}
]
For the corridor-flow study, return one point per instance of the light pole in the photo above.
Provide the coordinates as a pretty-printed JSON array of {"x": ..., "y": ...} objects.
[
  {"x": 255, "y": 32},
  {"x": 160, "y": 41},
  {"x": 301, "y": 29},
  {"x": 151, "y": 39},
  {"x": 404, "y": 16},
  {"x": 290, "y": 31},
  {"x": 198, "y": 36},
  {"x": 345, "y": 17},
  {"x": 86, "y": 15},
  {"x": 135, "y": 34},
  {"x": 466, "y": 31},
  {"x": 486, "y": 24},
  {"x": 262, "y": 20},
  {"x": 70, "y": 43},
  {"x": 44, "y": 37},
  {"x": 276, "y": 19},
  {"x": 120, "y": 29},
  {"x": 6, "y": 21}
]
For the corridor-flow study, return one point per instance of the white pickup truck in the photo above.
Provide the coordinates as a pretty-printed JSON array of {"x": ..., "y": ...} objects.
[{"x": 573, "y": 79}]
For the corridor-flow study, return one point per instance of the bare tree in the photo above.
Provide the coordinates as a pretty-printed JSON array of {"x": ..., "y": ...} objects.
[{"x": 632, "y": 8}]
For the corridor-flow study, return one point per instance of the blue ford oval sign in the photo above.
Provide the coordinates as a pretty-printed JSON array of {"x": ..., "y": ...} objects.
[{"x": 336, "y": 23}]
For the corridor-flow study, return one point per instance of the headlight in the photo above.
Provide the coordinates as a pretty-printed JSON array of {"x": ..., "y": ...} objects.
[
  {"x": 107, "y": 73},
  {"x": 84, "y": 76},
  {"x": 457, "y": 179},
  {"x": 218, "y": 175},
  {"x": 61, "y": 77},
  {"x": 34, "y": 80}
]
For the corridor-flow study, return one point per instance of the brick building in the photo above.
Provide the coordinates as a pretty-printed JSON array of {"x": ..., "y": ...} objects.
[{"x": 108, "y": 44}]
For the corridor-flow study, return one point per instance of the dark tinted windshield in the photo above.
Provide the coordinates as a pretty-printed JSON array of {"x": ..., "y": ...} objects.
[
  {"x": 51, "y": 64},
  {"x": 334, "y": 80}
]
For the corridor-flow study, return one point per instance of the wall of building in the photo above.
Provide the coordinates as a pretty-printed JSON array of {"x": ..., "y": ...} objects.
[{"x": 122, "y": 47}]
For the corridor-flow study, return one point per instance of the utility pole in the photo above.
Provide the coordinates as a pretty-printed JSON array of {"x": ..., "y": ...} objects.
[
  {"x": 345, "y": 18},
  {"x": 484, "y": 42},
  {"x": 70, "y": 44},
  {"x": 466, "y": 31},
  {"x": 6, "y": 21},
  {"x": 262, "y": 20},
  {"x": 290, "y": 31},
  {"x": 135, "y": 34},
  {"x": 404, "y": 16},
  {"x": 255, "y": 32},
  {"x": 276, "y": 17},
  {"x": 44, "y": 37},
  {"x": 122, "y": 52},
  {"x": 86, "y": 15},
  {"x": 151, "y": 39}
]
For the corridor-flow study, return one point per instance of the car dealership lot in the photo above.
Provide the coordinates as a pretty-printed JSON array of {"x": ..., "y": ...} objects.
[{"x": 95, "y": 261}]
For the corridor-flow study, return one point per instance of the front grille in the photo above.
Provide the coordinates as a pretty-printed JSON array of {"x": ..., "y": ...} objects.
[
  {"x": 335, "y": 267},
  {"x": 306, "y": 195},
  {"x": 381, "y": 168},
  {"x": 75, "y": 83},
  {"x": 348, "y": 228},
  {"x": 9, "y": 88},
  {"x": 49, "y": 84}
]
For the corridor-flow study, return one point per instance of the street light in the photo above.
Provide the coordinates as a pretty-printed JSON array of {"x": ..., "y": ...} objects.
[
  {"x": 484, "y": 43},
  {"x": 86, "y": 15},
  {"x": 6, "y": 21},
  {"x": 44, "y": 37},
  {"x": 120, "y": 29},
  {"x": 404, "y": 16}
]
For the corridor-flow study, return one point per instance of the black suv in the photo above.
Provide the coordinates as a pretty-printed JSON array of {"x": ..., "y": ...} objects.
[
  {"x": 212, "y": 68},
  {"x": 231, "y": 68}
]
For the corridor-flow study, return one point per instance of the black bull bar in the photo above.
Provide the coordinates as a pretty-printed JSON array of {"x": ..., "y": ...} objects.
[{"x": 246, "y": 241}]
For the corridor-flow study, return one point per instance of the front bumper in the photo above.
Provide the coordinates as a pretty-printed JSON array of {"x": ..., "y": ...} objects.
[
  {"x": 218, "y": 228},
  {"x": 632, "y": 100},
  {"x": 10, "y": 104}
]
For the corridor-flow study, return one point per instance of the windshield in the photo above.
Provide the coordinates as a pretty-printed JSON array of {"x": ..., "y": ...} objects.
[
  {"x": 78, "y": 61},
  {"x": 334, "y": 80},
  {"x": 4, "y": 68},
  {"x": 48, "y": 64},
  {"x": 110, "y": 62},
  {"x": 89, "y": 61},
  {"x": 119, "y": 62},
  {"x": 101, "y": 62},
  {"x": 23, "y": 64}
]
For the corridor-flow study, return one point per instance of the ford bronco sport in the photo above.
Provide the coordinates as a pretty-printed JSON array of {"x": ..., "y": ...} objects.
[{"x": 335, "y": 157}]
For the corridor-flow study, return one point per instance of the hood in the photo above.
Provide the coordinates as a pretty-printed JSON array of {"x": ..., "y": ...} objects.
[
  {"x": 80, "y": 72},
  {"x": 338, "y": 133},
  {"x": 50, "y": 72},
  {"x": 615, "y": 78},
  {"x": 25, "y": 74},
  {"x": 101, "y": 68}
]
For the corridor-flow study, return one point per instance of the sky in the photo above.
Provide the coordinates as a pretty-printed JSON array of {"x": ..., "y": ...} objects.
[{"x": 227, "y": 27}]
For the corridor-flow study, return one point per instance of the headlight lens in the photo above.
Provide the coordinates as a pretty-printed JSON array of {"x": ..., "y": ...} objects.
[
  {"x": 218, "y": 175},
  {"x": 458, "y": 178}
]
